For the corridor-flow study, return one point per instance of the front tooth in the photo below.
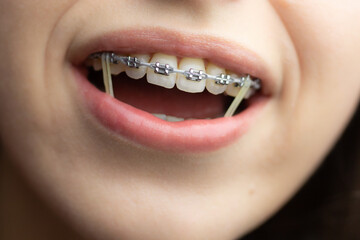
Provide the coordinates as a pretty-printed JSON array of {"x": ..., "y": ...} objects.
[
  {"x": 188, "y": 85},
  {"x": 137, "y": 73},
  {"x": 211, "y": 86},
  {"x": 116, "y": 69},
  {"x": 162, "y": 80},
  {"x": 97, "y": 64},
  {"x": 232, "y": 89}
]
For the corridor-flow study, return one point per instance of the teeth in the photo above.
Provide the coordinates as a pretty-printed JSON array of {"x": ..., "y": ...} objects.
[
  {"x": 211, "y": 86},
  {"x": 162, "y": 80},
  {"x": 168, "y": 118},
  {"x": 181, "y": 81},
  {"x": 249, "y": 93},
  {"x": 116, "y": 69},
  {"x": 187, "y": 85},
  {"x": 174, "y": 119},
  {"x": 97, "y": 64},
  {"x": 137, "y": 73},
  {"x": 161, "y": 116},
  {"x": 232, "y": 89}
]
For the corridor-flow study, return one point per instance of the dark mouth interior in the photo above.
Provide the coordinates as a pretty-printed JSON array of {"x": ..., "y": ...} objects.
[{"x": 159, "y": 100}]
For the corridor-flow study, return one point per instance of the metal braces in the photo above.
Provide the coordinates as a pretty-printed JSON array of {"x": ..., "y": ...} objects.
[
  {"x": 191, "y": 74},
  {"x": 245, "y": 83}
]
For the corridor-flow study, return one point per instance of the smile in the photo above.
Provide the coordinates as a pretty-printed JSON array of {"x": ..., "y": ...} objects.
[{"x": 169, "y": 101}]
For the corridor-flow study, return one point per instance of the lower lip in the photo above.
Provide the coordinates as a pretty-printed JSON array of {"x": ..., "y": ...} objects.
[{"x": 147, "y": 130}]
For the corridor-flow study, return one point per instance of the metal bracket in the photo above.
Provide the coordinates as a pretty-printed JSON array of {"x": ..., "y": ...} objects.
[
  {"x": 163, "y": 69},
  {"x": 132, "y": 62},
  {"x": 195, "y": 75}
]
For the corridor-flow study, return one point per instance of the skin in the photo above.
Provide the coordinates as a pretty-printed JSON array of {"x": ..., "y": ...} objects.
[{"x": 103, "y": 189}]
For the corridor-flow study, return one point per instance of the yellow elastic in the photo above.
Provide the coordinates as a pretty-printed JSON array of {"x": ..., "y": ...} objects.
[
  {"x": 105, "y": 62},
  {"x": 239, "y": 97}
]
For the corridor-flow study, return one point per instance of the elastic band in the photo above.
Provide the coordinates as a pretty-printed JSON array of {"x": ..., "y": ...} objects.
[
  {"x": 239, "y": 97},
  {"x": 105, "y": 62}
]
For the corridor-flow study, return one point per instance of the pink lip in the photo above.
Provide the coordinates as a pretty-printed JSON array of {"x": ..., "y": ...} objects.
[{"x": 143, "y": 128}]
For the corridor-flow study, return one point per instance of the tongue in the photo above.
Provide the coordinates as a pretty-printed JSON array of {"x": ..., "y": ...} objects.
[{"x": 173, "y": 102}]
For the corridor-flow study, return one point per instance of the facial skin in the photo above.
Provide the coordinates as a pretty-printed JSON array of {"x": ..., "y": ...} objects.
[{"x": 114, "y": 190}]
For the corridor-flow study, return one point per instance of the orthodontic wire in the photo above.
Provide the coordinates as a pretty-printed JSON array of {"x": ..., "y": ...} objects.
[{"x": 165, "y": 69}]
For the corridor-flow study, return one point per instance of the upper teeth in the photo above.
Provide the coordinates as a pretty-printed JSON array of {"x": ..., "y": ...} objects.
[
  {"x": 188, "y": 74},
  {"x": 211, "y": 86},
  {"x": 162, "y": 80},
  {"x": 137, "y": 73},
  {"x": 183, "y": 83}
]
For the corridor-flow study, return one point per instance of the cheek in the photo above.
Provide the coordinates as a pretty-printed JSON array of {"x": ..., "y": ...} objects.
[
  {"x": 324, "y": 34},
  {"x": 25, "y": 28},
  {"x": 326, "y": 41}
]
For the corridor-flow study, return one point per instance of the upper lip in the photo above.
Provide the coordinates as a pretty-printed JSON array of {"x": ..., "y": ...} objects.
[{"x": 224, "y": 53}]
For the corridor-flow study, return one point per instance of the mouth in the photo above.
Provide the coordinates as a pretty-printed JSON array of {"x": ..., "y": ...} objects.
[{"x": 179, "y": 111}]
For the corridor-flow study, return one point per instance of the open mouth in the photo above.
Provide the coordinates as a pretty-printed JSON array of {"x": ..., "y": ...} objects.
[
  {"x": 171, "y": 88},
  {"x": 176, "y": 100}
]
